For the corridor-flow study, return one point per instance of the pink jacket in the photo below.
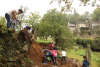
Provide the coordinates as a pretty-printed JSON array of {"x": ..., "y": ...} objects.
[{"x": 54, "y": 52}]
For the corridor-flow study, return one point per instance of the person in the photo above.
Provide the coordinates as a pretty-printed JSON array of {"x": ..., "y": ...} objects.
[
  {"x": 47, "y": 53},
  {"x": 28, "y": 28},
  {"x": 12, "y": 14},
  {"x": 34, "y": 32},
  {"x": 55, "y": 47},
  {"x": 50, "y": 45},
  {"x": 85, "y": 62},
  {"x": 54, "y": 55},
  {"x": 64, "y": 56}
]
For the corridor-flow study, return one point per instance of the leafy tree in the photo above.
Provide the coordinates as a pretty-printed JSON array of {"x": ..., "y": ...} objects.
[
  {"x": 3, "y": 21},
  {"x": 96, "y": 14},
  {"x": 34, "y": 19},
  {"x": 53, "y": 25}
]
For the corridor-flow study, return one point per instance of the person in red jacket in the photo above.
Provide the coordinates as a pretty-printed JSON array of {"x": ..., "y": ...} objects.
[{"x": 50, "y": 45}]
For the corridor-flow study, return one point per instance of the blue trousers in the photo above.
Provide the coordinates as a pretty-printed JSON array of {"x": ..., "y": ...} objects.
[
  {"x": 50, "y": 55},
  {"x": 7, "y": 16}
]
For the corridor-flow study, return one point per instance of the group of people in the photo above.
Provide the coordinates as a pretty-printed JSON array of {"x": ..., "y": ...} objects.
[
  {"x": 52, "y": 52},
  {"x": 12, "y": 21},
  {"x": 33, "y": 32}
]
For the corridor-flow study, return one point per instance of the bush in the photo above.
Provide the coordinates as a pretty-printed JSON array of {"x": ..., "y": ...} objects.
[{"x": 95, "y": 43}]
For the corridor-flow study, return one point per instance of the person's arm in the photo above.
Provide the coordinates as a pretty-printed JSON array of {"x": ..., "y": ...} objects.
[
  {"x": 41, "y": 53},
  {"x": 34, "y": 31},
  {"x": 25, "y": 28},
  {"x": 83, "y": 63},
  {"x": 14, "y": 11}
]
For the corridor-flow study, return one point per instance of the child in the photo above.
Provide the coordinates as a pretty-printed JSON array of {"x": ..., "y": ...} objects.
[
  {"x": 47, "y": 53},
  {"x": 64, "y": 56},
  {"x": 85, "y": 62},
  {"x": 54, "y": 55},
  {"x": 50, "y": 45}
]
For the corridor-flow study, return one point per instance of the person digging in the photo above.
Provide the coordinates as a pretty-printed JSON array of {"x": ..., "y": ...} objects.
[
  {"x": 34, "y": 32},
  {"x": 10, "y": 15},
  {"x": 28, "y": 28},
  {"x": 47, "y": 53}
]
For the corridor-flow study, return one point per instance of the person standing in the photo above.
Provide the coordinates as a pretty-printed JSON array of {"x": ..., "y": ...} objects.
[
  {"x": 11, "y": 14},
  {"x": 64, "y": 56},
  {"x": 85, "y": 62},
  {"x": 54, "y": 55}
]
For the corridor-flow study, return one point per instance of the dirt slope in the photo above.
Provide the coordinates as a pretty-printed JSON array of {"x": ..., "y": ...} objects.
[{"x": 34, "y": 54}]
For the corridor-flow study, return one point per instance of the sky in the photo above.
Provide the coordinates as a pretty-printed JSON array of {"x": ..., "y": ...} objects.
[{"x": 40, "y": 6}]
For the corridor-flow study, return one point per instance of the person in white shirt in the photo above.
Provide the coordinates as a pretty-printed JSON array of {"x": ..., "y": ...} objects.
[
  {"x": 10, "y": 15},
  {"x": 64, "y": 56}
]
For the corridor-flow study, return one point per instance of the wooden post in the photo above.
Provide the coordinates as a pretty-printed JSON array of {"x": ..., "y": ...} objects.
[
  {"x": 89, "y": 55},
  {"x": 86, "y": 52}
]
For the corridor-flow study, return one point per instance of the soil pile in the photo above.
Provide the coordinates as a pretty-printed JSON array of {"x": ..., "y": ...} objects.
[{"x": 34, "y": 54}]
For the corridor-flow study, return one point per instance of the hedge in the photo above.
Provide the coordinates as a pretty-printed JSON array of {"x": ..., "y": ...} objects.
[{"x": 95, "y": 43}]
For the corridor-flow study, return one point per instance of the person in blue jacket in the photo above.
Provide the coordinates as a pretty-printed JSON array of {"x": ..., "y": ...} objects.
[
  {"x": 28, "y": 28},
  {"x": 85, "y": 62}
]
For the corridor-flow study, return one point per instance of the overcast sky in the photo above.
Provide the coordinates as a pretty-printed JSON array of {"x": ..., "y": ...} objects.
[{"x": 40, "y": 6}]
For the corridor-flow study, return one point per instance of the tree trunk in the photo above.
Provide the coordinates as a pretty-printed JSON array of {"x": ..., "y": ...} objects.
[
  {"x": 86, "y": 52},
  {"x": 89, "y": 55},
  {"x": 46, "y": 38}
]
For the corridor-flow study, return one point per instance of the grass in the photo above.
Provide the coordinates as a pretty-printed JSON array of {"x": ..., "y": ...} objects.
[
  {"x": 72, "y": 54},
  {"x": 44, "y": 41}
]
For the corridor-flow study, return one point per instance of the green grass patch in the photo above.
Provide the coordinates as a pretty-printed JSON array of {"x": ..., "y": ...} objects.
[
  {"x": 44, "y": 41},
  {"x": 74, "y": 54}
]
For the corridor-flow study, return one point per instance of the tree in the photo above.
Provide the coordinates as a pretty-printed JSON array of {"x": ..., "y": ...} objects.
[
  {"x": 21, "y": 16},
  {"x": 67, "y": 4},
  {"x": 34, "y": 18},
  {"x": 96, "y": 14},
  {"x": 3, "y": 21},
  {"x": 86, "y": 16},
  {"x": 53, "y": 25}
]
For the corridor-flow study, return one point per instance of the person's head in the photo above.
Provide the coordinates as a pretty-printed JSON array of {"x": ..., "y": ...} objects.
[
  {"x": 30, "y": 26},
  {"x": 43, "y": 48},
  {"x": 20, "y": 11},
  {"x": 84, "y": 57},
  {"x": 51, "y": 43},
  {"x": 37, "y": 29},
  {"x": 55, "y": 44},
  {"x": 63, "y": 49}
]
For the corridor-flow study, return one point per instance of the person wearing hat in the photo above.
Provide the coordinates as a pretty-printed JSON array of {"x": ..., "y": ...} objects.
[
  {"x": 28, "y": 28},
  {"x": 10, "y": 15}
]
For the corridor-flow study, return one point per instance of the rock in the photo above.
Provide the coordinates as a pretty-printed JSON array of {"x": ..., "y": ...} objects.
[{"x": 25, "y": 48}]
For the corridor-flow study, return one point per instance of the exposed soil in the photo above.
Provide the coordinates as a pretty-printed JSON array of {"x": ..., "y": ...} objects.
[{"x": 34, "y": 54}]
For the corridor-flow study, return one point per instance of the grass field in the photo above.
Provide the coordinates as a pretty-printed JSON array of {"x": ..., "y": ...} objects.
[
  {"x": 44, "y": 41},
  {"x": 73, "y": 54}
]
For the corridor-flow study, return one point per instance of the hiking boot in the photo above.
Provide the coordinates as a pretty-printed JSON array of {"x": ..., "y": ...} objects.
[{"x": 44, "y": 63}]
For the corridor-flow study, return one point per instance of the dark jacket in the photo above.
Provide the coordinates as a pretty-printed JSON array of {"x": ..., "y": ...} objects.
[{"x": 85, "y": 63}]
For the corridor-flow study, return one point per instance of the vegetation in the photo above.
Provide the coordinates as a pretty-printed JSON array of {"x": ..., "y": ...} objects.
[
  {"x": 93, "y": 42},
  {"x": 73, "y": 54}
]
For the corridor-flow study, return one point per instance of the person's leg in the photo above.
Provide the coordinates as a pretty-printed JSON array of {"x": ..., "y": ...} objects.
[
  {"x": 45, "y": 58},
  {"x": 56, "y": 60},
  {"x": 51, "y": 56},
  {"x": 8, "y": 20},
  {"x": 65, "y": 60}
]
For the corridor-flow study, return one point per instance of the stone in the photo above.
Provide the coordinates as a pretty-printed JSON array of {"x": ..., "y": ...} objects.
[{"x": 25, "y": 48}]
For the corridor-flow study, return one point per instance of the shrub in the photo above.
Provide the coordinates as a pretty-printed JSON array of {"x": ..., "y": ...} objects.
[{"x": 95, "y": 43}]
